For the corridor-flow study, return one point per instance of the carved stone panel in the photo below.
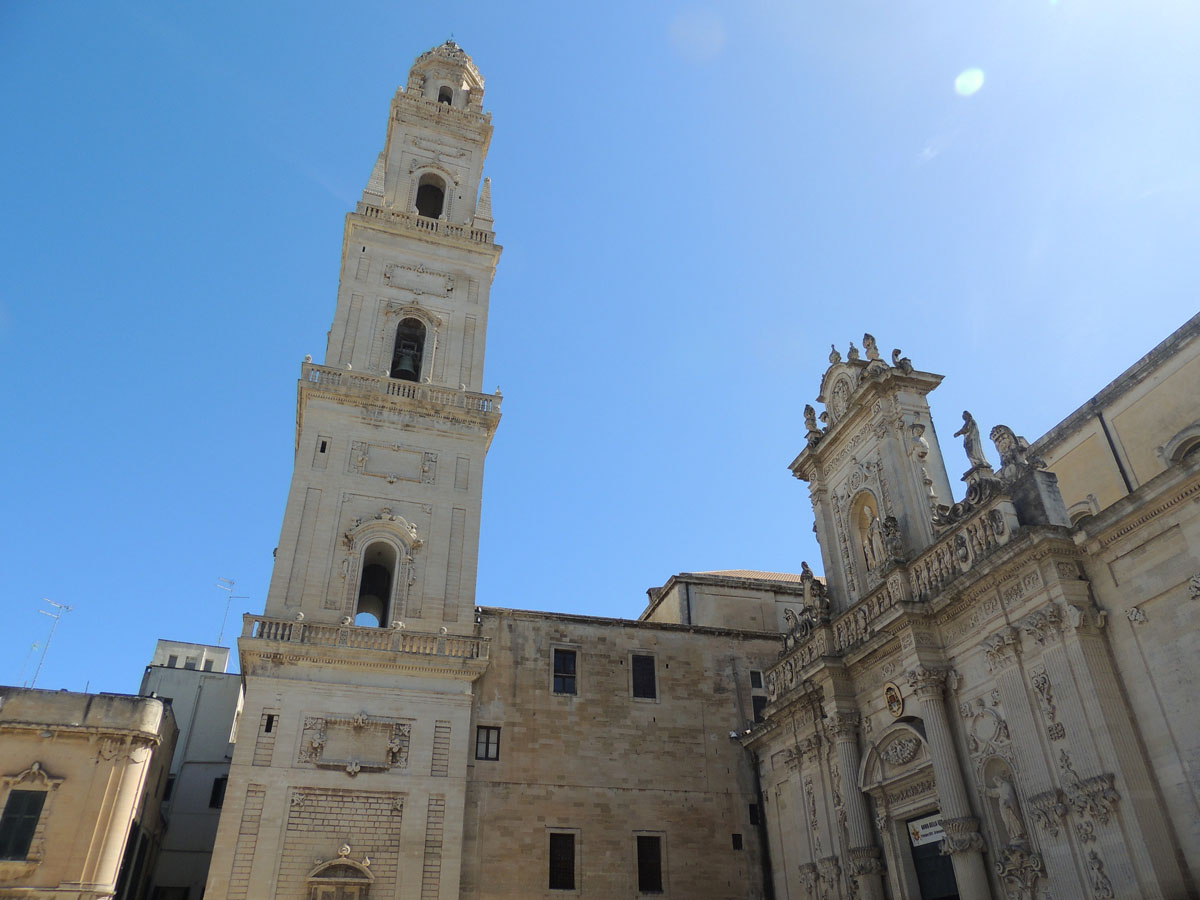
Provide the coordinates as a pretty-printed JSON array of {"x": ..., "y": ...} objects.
[{"x": 355, "y": 743}]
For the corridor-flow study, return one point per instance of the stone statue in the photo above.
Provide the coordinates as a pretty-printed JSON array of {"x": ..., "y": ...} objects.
[
  {"x": 853, "y": 352},
  {"x": 971, "y": 442},
  {"x": 892, "y": 541},
  {"x": 812, "y": 430},
  {"x": 805, "y": 571},
  {"x": 834, "y": 356},
  {"x": 789, "y": 616},
  {"x": 920, "y": 446},
  {"x": 903, "y": 363},
  {"x": 1006, "y": 798},
  {"x": 1013, "y": 451},
  {"x": 875, "y": 539},
  {"x": 870, "y": 346}
]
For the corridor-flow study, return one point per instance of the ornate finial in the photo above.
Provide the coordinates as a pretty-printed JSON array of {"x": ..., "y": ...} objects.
[
  {"x": 834, "y": 356},
  {"x": 971, "y": 442},
  {"x": 903, "y": 363},
  {"x": 344, "y": 851},
  {"x": 813, "y": 431},
  {"x": 870, "y": 346},
  {"x": 853, "y": 351}
]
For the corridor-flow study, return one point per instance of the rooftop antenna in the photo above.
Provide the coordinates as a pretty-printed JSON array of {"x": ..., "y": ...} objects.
[
  {"x": 62, "y": 609},
  {"x": 33, "y": 648},
  {"x": 226, "y": 585}
]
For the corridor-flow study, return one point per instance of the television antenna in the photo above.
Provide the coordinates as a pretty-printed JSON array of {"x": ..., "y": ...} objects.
[
  {"x": 226, "y": 585},
  {"x": 61, "y": 609}
]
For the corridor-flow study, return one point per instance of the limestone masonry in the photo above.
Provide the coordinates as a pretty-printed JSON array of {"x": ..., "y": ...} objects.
[{"x": 985, "y": 698}]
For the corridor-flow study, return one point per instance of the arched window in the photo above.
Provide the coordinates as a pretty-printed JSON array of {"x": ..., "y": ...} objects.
[
  {"x": 446, "y": 95},
  {"x": 375, "y": 585},
  {"x": 409, "y": 350},
  {"x": 431, "y": 196},
  {"x": 340, "y": 879}
]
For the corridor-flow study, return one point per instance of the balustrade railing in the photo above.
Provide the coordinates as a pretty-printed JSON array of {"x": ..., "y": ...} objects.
[
  {"x": 363, "y": 383},
  {"x": 426, "y": 224},
  {"x": 359, "y": 638}
]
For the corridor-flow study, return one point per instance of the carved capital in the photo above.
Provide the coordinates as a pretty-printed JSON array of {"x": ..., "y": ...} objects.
[
  {"x": 962, "y": 836},
  {"x": 1048, "y": 810},
  {"x": 1002, "y": 648},
  {"x": 843, "y": 726},
  {"x": 865, "y": 860},
  {"x": 927, "y": 682},
  {"x": 1043, "y": 625}
]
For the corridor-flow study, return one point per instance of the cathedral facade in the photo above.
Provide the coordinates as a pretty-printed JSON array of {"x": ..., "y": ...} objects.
[{"x": 986, "y": 698}]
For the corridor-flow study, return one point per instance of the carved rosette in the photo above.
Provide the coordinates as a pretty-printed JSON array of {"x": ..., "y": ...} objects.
[{"x": 962, "y": 836}]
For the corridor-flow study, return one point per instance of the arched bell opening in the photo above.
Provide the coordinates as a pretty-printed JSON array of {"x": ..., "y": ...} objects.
[
  {"x": 446, "y": 95},
  {"x": 375, "y": 585},
  {"x": 431, "y": 196},
  {"x": 409, "y": 350}
]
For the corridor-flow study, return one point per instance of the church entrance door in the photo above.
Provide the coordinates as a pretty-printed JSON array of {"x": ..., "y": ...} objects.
[{"x": 935, "y": 873}]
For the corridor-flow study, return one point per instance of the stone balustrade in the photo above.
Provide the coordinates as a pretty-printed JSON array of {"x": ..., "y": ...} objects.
[
  {"x": 424, "y": 223},
  {"x": 351, "y": 382},
  {"x": 446, "y": 646}
]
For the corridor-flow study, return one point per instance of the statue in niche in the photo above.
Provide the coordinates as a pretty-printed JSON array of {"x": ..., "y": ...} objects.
[
  {"x": 972, "y": 443},
  {"x": 1005, "y": 795},
  {"x": 875, "y": 539},
  {"x": 870, "y": 346}
]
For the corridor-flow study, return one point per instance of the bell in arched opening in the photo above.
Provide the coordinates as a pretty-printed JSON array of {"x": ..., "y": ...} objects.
[
  {"x": 375, "y": 585},
  {"x": 409, "y": 350}
]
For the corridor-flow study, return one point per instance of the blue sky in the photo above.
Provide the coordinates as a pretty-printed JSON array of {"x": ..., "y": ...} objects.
[{"x": 695, "y": 201}]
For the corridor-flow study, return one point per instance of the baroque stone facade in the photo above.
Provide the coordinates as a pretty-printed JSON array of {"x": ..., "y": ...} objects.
[{"x": 979, "y": 698}]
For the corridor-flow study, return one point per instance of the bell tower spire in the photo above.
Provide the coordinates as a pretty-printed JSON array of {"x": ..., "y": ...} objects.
[{"x": 382, "y": 521}]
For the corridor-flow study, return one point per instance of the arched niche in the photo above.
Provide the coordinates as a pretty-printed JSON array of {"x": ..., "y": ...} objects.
[
  {"x": 866, "y": 529},
  {"x": 379, "y": 569},
  {"x": 339, "y": 879},
  {"x": 431, "y": 198}
]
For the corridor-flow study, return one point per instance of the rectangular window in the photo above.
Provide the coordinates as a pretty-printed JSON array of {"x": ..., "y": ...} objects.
[
  {"x": 172, "y": 661},
  {"x": 649, "y": 862},
  {"x": 760, "y": 703},
  {"x": 562, "y": 862},
  {"x": 169, "y": 789},
  {"x": 643, "y": 678},
  {"x": 737, "y": 842},
  {"x": 269, "y": 725},
  {"x": 217, "y": 798},
  {"x": 208, "y": 665},
  {"x": 564, "y": 671},
  {"x": 753, "y": 813},
  {"x": 190, "y": 662},
  {"x": 755, "y": 678},
  {"x": 487, "y": 742},
  {"x": 19, "y": 821}
]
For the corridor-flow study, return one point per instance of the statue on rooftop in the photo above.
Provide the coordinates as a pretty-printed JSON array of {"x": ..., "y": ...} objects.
[
  {"x": 903, "y": 363},
  {"x": 1013, "y": 450},
  {"x": 870, "y": 346},
  {"x": 972, "y": 443}
]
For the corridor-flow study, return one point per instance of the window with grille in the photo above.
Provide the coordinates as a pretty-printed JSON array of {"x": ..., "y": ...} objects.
[
  {"x": 562, "y": 862},
  {"x": 565, "y": 671},
  {"x": 644, "y": 686},
  {"x": 19, "y": 821},
  {"x": 649, "y": 864}
]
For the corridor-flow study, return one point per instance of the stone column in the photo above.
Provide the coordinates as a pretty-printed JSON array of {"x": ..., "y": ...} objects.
[
  {"x": 863, "y": 856},
  {"x": 963, "y": 842}
]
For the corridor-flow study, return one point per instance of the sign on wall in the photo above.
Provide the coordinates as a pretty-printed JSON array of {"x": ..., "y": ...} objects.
[{"x": 926, "y": 830}]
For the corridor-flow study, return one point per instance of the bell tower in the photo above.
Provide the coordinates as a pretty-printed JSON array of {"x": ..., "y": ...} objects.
[
  {"x": 382, "y": 520},
  {"x": 350, "y": 769}
]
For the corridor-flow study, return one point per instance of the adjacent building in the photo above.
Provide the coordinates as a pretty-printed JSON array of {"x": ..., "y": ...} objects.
[
  {"x": 981, "y": 698},
  {"x": 207, "y": 702},
  {"x": 81, "y": 782}
]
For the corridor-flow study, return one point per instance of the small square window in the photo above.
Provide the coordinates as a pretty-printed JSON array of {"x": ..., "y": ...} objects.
[
  {"x": 562, "y": 861},
  {"x": 172, "y": 661},
  {"x": 216, "y": 799},
  {"x": 565, "y": 671},
  {"x": 755, "y": 678},
  {"x": 208, "y": 665},
  {"x": 760, "y": 704},
  {"x": 269, "y": 723},
  {"x": 649, "y": 864},
  {"x": 190, "y": 662},
  {"x": 737, "y": 842},
  {"x": 644, "y": 686},
  {"x": 19, "y": 821},
  {"x": 487, "y": 742}
]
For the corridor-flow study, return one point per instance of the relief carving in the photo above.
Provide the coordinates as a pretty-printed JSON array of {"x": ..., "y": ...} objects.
[
  {"x": 901, "y": 750},
  {"x": 355, "y": 743}
]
